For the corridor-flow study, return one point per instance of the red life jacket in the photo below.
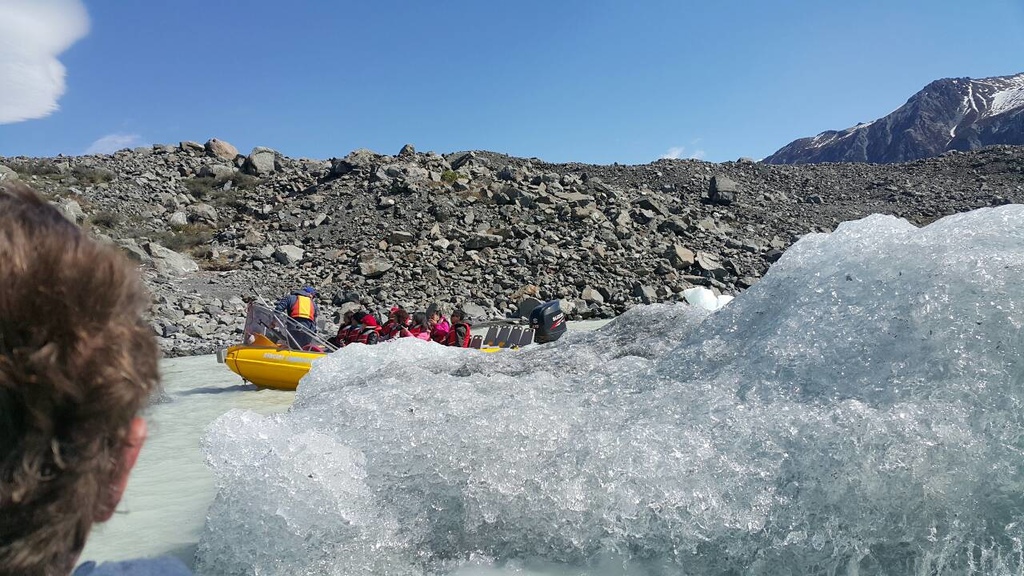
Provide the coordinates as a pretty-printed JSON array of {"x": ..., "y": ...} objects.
[
  {"x": 391, "y": 329},
  {"x": 452, "y": 339},
  {"x": 352, "y": 333},
  {"x": 303, "y": 308},
  {"x": 344, "y": 335},
  {"x": 368, "y": 333}
]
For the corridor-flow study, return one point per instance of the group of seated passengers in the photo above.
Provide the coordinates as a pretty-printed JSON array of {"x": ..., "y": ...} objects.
[{"x": 362, "y": 327}]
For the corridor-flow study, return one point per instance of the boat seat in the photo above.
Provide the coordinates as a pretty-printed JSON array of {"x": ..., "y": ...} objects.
[
  {"x": 502, "y": 339},
  {"x": 513, "y": 337},
  {"x": 491, "y": 338}
]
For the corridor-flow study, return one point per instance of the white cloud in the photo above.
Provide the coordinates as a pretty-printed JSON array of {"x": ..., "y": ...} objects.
[
  {"x": 32, "y": 34},
  {"x": 112, "y": 143},
  {"x": 677, "y": 152},
  {"x": 674, "y": 153}
]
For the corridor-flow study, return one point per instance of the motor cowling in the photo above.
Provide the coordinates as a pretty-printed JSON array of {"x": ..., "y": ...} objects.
[{"x": 548, "y": 322}]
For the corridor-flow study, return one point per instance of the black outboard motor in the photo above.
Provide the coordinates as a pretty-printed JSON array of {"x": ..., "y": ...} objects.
[{"x": 548, "y": 322}]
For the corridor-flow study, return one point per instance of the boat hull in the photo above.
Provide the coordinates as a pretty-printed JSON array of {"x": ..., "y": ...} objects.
[{"x": 265, "y": 367}]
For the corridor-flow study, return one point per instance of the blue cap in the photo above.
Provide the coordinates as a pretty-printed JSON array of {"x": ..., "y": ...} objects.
[{"x": 309, "y": 290}]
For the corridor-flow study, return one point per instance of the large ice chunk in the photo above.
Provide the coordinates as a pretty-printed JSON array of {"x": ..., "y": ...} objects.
[
  {"x": 706, "y": 298},
  {"x": 855, "y": 412}
]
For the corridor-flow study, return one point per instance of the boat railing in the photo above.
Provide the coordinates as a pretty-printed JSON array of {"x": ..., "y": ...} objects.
[{"x": 264, "y": 324}]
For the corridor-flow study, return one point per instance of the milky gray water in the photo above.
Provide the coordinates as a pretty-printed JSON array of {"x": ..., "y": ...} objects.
[
  {"x": 858, "y": 411},
  {"x": 170, "y": 489}
]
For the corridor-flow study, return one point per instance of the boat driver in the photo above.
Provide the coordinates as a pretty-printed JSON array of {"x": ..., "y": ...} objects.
[{"x": 302, "y": 308}]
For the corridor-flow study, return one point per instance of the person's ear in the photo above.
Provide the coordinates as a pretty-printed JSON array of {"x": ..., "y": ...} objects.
[{"x": 129, "y": 454}]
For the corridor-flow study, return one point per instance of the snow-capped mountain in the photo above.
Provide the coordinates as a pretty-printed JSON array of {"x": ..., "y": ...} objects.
[{"x": 948, "y": 114}]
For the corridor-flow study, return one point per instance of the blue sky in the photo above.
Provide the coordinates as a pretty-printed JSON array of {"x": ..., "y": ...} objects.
[{"x": 590, "y": 81}]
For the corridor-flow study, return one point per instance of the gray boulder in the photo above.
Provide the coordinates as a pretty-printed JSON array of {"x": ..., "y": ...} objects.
[
  {"x": 266, "y": 252},
  {"x": 709, "y": 263},
  {"x": 253, "y": 237},
  {"x": 401, "y": 237},
  {"x": 646, "y": 294},
  {"x": 373, "y": 265},
  {"x": 482, "y": 240},
  {"x": 652, "y": 206},
  {"x": 458, "y": 160},
  {"x": 71, "y": 210},
  {"x": 260, "y": 162},
  {"x": 216, "y": 171},
  {"x": 190, "y": 146},
  {"x": 358, "y": 160},
  {"x": 169, "y": 262},
  {"x": 202, "y": 212},
  {"x": 474, "y": 312},
  {"x": 680, "y": 256},
  {"x": 178, "y": 218},
  {"x": 7, "y": 174},
  {"x": 288, "y": 254},
  {"x": 591, "y": 295},
  {"x": 133, "y": 250},
  {"x": 722, "y": 190}
]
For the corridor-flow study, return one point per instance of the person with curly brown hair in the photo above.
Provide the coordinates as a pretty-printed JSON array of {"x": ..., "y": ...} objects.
[{"x": 78, "y": 364}]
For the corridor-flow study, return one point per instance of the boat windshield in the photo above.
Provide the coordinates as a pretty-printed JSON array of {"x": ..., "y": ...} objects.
[{"x": 265, "y": 326}]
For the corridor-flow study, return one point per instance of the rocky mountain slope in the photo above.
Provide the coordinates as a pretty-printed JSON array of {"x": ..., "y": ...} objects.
[
  {"x": 950, "y": 114},
  {"x": 210, "y": 228}
]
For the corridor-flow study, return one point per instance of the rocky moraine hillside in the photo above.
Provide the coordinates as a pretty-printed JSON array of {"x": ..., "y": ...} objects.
[
  {"x": 949, "y": 114},
  {"x": 210, "y": 227}
]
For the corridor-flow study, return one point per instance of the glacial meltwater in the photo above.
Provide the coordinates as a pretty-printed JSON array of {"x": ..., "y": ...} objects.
[
  {"x": 858, "y": 411},
  {"x": 164, "y": 507}
]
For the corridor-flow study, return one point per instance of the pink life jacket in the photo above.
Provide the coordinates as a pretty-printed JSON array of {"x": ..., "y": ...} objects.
[{"x": 420, "y": 332}]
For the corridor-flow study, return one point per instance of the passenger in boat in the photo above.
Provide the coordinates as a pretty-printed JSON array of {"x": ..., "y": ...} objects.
[
  {"x": 419, "y": 328},
  {"x": 439, "y": 325},
  {"x": 342, "y": 337},
  {"x": 459, "y": 335},
  {"x": 78, "y": 365},
  {"x": 393, "y": 327},
  {"x": 301, "y": 307},
  {"x": 368, "y": 331},
  {"x": 355, "y": 327},
  {"x": 402, "y": 323}
]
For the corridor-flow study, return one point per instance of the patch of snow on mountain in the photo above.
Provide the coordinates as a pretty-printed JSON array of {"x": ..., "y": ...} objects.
[
  {"x": 862, "y": 125},
  {"x": 966, "y": 105},
  {"x": 1010, "y": 97},
  {"x": 826, "y": 138},
  {"x": 823, "y": 139}
]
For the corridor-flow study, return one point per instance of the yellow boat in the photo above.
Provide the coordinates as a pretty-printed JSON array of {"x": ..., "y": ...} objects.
[
  {"x": 276, "y": 352},
  {"x": 268, "y": 365}
]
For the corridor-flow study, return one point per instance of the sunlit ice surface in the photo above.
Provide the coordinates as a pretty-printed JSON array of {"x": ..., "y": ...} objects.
[{"x": 858, "y": 411}]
